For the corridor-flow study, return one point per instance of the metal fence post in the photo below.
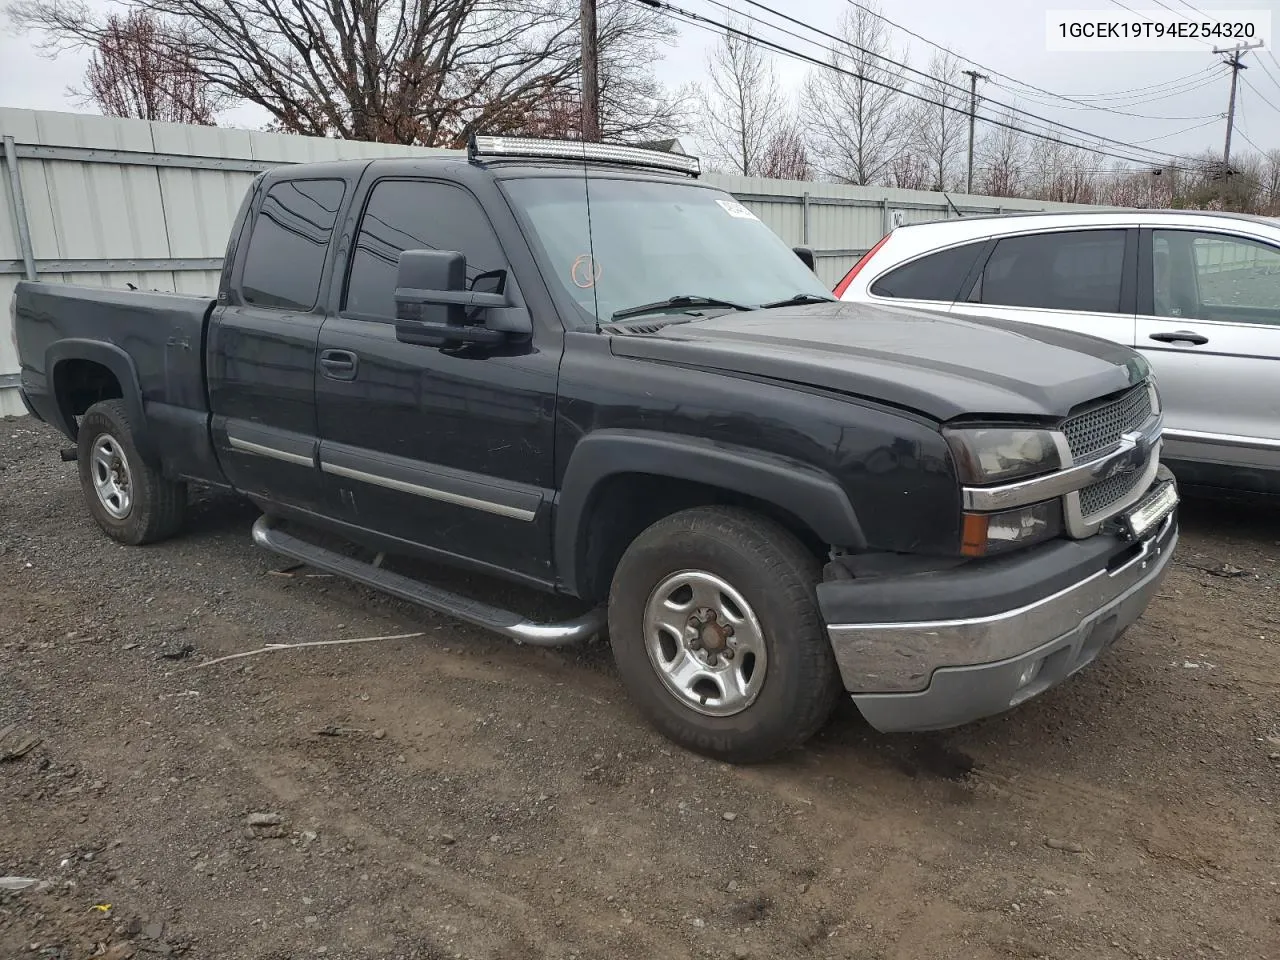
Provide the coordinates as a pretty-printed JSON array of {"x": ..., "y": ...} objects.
[
  {"x": 804, "y": 219},
  {"x": 885, "y": 225},
  {"x": 18, "y": 209}
]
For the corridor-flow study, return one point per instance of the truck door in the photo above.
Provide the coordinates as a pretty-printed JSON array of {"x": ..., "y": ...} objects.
[
  {"x": 448, "y": 451},
  {"x": 262, "y": 344}
]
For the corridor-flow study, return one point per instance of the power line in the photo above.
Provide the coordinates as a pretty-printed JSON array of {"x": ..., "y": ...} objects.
[
  {"x": 1244, "y": 136},
  {"x": 718, "y": 27},
  {"x": 1072, "y": 98},
  {"x": 1267, "y": 70},
  {"x": 1045, "y": 121},
  {"x": 1176, "y": 13},
  {"x": 1150, "y": 20},
  {"x": 1068, "y": 104},
  {"x": 1250, "y": 85},
  {"x": 1166, "y": 136}
]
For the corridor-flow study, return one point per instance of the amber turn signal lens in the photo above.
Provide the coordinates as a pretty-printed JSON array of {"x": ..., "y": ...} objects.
[{"x": 973, "y": 539}]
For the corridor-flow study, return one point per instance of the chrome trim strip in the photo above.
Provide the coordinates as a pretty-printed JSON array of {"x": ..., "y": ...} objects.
[
  {"x": 901, "y": 657},
  {"x": 1066, "y": 481},
  {"x": 1222, "y": 439},
  {"x": 1079, "y": 526},
  {"x": 431, "y": 493},
  {"x": 246, "y": 446}
]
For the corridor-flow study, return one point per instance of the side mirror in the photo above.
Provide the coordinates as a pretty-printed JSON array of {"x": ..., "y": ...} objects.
[
  {"x": 806, "y": 255},
  {"x": 436, "y": 307}
]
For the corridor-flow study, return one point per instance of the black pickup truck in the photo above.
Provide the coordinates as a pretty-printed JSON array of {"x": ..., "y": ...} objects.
[{"x": 579, "y": 368}]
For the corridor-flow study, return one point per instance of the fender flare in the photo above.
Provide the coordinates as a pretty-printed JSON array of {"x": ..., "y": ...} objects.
[
  {"x": 121, "y": 366},
  {"x": 814, "y": 497}
]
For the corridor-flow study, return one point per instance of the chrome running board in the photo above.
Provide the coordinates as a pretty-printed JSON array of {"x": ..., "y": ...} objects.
[{"x": 267, "y": 534}]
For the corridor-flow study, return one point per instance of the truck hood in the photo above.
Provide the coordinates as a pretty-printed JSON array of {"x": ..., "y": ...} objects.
[{"x": 940, "y": 365}]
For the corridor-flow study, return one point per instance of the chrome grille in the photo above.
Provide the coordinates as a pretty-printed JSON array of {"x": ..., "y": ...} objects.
[
  {"x": 1096, "y": 498},
  {"x": 1097, "y": 430}
]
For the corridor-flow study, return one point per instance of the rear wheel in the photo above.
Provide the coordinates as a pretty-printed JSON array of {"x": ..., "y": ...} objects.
[
  {"x": 130, "y": 500},
  {"x": 717, "y": 637}
]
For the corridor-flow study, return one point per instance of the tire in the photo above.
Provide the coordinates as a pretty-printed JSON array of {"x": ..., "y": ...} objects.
[
  {"x": 782, "y": 682},
  {"x": 130, "y": 500}
]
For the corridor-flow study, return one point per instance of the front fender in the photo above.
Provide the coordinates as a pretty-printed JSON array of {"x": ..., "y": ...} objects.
[{"x": 808, "y": 494}]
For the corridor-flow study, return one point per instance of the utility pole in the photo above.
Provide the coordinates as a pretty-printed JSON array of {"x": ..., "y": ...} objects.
[
  {"x": 1236, "y": 66},
  {"x": 974, "y": 76},
  {"x": 590, "y": 74}
]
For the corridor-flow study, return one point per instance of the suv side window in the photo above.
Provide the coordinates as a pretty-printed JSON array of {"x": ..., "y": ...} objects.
[
  {"x": 1212, "y": 276},
  {"x": 288, "y": 244},
  {"x": 1071, "y": 270},
  {"x": 937, "y": 276},
  {"x": 418, "y": 215}
]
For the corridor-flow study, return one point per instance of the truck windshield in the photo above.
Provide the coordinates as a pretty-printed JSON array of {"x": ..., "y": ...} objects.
[{"x": 655, "y": 242}]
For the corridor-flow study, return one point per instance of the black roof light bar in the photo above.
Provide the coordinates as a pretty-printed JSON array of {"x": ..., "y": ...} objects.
[{"x": 481, "y": 147}]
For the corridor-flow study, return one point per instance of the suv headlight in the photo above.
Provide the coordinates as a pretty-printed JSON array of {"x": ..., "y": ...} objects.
[{"x": 997, "y": 454}]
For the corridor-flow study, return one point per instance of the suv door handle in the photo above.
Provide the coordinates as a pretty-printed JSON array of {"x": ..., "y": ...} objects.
[
  {"x": 1181, "y": 336},
  {"x": 339, "y": 364}
]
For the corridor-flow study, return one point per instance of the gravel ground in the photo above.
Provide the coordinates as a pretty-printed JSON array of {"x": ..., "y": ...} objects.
[{"x": 453, "y": 795}]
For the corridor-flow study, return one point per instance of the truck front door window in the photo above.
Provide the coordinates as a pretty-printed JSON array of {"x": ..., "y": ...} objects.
[
  {"x": 650, "y": 241},
  {"x": 418, "y": 215},
  {"x": 288, "y": 244}
]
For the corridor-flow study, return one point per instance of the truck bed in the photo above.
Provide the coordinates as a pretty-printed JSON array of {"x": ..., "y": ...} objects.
[{"x": 161, "y": 333}]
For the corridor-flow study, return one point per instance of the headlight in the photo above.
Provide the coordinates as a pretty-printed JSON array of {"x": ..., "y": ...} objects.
[
  {"x": 987, "y": 534},
  {"x": 995, "y": 454},
  {"x": 1154, "y": 390}
]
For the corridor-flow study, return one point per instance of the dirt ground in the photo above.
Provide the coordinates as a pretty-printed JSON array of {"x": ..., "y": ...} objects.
[{"x": 454, "y": 795}]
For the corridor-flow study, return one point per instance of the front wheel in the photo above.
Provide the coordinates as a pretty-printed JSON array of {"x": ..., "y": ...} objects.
[
  {"x": 131, "y": 500},
  {"x": 717, "y": 636}
]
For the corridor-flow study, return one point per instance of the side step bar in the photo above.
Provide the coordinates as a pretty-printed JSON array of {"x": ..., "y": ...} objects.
[{"x": 267, "y": 534}]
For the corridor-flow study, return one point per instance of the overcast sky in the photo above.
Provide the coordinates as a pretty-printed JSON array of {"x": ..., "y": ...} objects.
[{"x": 1003, "y": 35}]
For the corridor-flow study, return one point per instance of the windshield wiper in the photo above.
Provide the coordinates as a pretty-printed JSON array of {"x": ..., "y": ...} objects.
[
  {"x": 673, "y": 304},
  {"x": 799, "y": 298}
]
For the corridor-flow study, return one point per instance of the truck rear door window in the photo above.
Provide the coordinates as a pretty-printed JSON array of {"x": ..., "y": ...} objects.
[
  {"x": 287, "y": 247},
  {"x": 418, "y": 215}
]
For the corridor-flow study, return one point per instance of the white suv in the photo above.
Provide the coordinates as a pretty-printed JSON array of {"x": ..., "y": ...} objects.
[{"x": 1198, "y": 294}]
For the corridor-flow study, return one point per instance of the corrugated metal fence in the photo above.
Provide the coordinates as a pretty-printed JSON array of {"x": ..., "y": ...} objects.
[{"x": 103, "y": 201}]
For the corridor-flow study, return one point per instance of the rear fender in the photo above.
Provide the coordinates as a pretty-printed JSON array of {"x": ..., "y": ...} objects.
[{"x": 121, "y": 366}]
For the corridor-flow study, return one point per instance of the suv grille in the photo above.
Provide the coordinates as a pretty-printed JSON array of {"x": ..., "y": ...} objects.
[{"x": 1098, "y": 430}]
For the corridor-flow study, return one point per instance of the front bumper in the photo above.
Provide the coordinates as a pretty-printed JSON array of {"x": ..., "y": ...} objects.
[{"x": 1057, "y": 612}]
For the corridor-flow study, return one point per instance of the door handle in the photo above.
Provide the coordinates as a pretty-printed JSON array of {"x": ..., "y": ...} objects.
[
  {"x": 1181, "y": 336},
  {"x": 339, "y": 364}
]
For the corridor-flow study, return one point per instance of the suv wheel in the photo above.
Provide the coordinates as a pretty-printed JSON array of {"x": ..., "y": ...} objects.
[{"x": 717, "y": 637}]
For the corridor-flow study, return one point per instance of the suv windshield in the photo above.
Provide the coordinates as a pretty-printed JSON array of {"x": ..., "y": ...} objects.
[{"x": 655, "y": 241}]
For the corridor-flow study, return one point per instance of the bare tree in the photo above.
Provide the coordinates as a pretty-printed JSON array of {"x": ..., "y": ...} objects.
[
  {"x": 939, "y": 124},
  {"x": 1271, "y": 182},
  {"x": 1060, "y": 171},
  {"x": 785, "y": 155},
  {"x": 1001, "y": 159},
  {"x": 137, "y": 70},
  {"x": 910, "y": 171},
  {"x": 856, "y": 123},
  {"x": 741, "y": 105},
  {"x": 400, "y": 71}
]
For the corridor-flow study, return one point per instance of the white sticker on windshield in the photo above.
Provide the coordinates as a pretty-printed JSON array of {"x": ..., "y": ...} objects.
[{"x": 734, "y": 209}]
